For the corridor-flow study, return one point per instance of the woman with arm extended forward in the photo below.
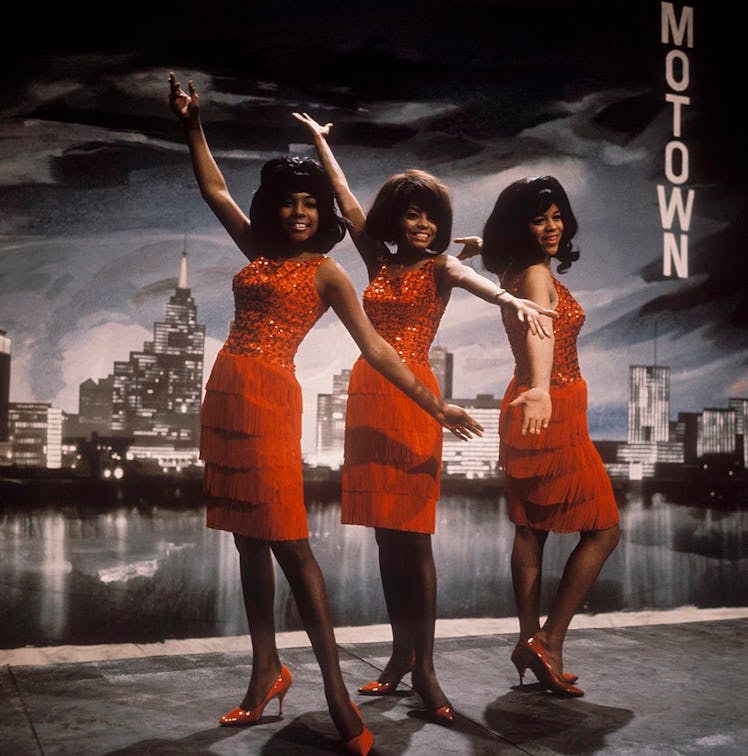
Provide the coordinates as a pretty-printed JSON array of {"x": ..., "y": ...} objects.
[
  {"x": 251, "y": 416},
  {"x": 392, "y": 465},
  {"x": 555, "y": 480}
]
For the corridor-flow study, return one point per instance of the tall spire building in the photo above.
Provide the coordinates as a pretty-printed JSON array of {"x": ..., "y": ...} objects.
[{"x": 156, "y": 394}]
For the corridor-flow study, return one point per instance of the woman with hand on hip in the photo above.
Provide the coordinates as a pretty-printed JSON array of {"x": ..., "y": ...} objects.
[
  {"x": 392, "y": 465},
  {"x": 251, "y": 415},
  {"x": 555, "y": 479}
]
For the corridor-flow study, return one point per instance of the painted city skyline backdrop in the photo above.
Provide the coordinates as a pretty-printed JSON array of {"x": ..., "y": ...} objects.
[{"x": 99, "y": 198}]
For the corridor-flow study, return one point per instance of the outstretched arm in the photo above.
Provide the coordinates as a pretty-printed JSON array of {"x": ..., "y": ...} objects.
[
  {"x": 186, "y": 106},
  {"x": 455, "y": 274},
  {"x": 368, "y": 248},
  {"x": 336, "y": 289}
]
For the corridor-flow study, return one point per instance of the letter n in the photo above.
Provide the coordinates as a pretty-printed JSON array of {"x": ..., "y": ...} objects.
[{"x": 677, "y": 255}]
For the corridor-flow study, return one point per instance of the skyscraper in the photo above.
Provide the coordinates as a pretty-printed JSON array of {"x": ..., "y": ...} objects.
[
  {"x": 479, "y": 458},
  {"x": 4, "y": 384},
  {"x": 649, "y": 404},
  {"x": 35, "y": 431},
  {"x": 156, "y": 394},
  {"x": 95, "y": 406},
  {"x": 442, "y": 363},
  {"x": 740, "y": 406},
  {"x": 331, "y": 415}
]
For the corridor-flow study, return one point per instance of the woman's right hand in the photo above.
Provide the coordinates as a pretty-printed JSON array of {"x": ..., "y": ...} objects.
[
  {"x": 457, "y": 420},
  {"x": 472, "y": 246},
  {"x": 185, "y": 105},
  {"x": 315, "y": 128}
]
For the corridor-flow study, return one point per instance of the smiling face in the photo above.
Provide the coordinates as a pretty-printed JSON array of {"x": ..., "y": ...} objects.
[
  {"x": 546, "y": 230},
  {"x": 299, "y": 217},
  {"x": 418, "y": 228}
]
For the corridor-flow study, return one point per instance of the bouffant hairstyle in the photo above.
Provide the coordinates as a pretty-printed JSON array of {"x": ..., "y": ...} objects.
[
  {"x": 507, "y": 239},
  {"x": 403, "y": 190},
  {"x": 281, "y": 177}
]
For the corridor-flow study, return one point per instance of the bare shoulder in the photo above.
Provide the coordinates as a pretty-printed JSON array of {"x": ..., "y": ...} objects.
[
  {"x": 331, "y": 276},
  {"x": 536, "y": 283}
]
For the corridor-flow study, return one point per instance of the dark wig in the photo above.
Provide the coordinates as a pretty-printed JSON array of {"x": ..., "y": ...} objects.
[
  {"x": 403, "y": 190},
  {"x": 506, "y": 236},
  {"x": 282, "y": 177}
]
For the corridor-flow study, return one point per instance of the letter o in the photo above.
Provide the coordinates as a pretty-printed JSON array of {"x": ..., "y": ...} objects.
[
  {"x": 677, "y": 84},
  {"x": 682, "y": 176}
]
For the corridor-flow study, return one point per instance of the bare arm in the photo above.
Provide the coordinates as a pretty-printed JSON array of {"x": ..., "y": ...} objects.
[
  {"x": 537, "y": 284},
  {"x": 210, "y": 180},
  {"x": 336, "y": 289},
  {"x": 369, "y": 249},
  {"x": 455, "y": 274}
]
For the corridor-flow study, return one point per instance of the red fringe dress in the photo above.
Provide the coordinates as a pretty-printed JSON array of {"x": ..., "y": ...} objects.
[
  {"x": 251, "y": 416},
  {"x": 393, "y": 448},
  {"x": 556, "y": 480}
]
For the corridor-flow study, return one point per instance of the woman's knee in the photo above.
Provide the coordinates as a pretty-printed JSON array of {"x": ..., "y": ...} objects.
[
  {"x": 524, "y": 536},
  {"x": 246, "y": 545},
  {"x": 296, "y": 553},
  {"x": 605, "y": 540}
]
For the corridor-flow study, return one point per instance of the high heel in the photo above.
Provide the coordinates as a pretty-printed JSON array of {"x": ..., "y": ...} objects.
[
  {"x": 537, "y": 659},
  {"x": 519, "y": 659},
  {"x": 363, "y": 742},
  {"x": 377, "y": 688},
  {"x": 443, "y": 715},
  {"x": 238, "y": 716}
]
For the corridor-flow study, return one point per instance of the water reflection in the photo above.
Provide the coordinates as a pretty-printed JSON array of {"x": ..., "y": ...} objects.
[{"x": 143, "y": 573}]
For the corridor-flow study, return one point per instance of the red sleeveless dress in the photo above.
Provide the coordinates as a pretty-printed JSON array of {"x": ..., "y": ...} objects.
[
  {"x": 393, "y": 448},
  {"x": 556, "y": 480},
  {"x": 251, "y": 416}
]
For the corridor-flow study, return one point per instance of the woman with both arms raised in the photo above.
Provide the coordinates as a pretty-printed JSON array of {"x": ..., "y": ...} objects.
[{"x": 251, "y": 415}]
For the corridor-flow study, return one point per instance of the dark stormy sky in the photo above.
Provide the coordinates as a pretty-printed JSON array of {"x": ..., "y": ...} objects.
[{"x": 99, "y": 202}]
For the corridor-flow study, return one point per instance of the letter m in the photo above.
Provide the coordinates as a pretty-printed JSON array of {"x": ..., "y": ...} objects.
[{"x": 675, "y": 31}]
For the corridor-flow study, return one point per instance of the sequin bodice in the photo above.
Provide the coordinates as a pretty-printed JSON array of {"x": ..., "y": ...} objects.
[
  {"x": 275, "y": 305},
  {"x": 406, "y": 310},
  {"x": 566, "y": 327}
]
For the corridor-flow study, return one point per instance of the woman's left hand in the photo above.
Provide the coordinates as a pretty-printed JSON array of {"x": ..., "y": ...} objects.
[
  {"x": 316, "y": 129},
  {"x": 536, "y": 410},
  {"x": 473, "y": 246},
  {"x": 528, "y": 313}
]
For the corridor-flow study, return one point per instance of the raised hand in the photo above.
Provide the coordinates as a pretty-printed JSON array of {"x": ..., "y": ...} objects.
[
  {"x": 473, "y": 246},
  {"x": 316, "y": 128},
  {"x": 184, "y": 105}
]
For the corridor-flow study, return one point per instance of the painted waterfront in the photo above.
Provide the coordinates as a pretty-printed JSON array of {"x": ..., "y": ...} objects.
[{"x": 140, "y": 566}]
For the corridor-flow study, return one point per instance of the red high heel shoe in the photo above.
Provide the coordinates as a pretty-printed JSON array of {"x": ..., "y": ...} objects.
[
  {"x": 443, "y": 715},
  {"x": 537, "y": 659},
  {"x": 363, "y": 742},
  {"x": 238, "y": 716},
  {"x": 377, "y": 688},
  {"x": 519, "y": 659}
]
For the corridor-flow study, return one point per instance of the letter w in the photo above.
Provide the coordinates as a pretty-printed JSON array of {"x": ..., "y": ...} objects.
[{"x": 668, "y": 208}]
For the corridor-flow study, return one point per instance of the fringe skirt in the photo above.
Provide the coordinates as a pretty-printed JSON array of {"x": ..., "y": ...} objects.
[
  {"x": 251, "y": 444},
  {"x": 556, "y": 480},
  {"x": 393, "y": 452}
]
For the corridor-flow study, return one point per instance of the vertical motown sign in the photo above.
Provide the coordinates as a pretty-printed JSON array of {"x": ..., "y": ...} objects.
[{"x": 677, "y": 32}]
